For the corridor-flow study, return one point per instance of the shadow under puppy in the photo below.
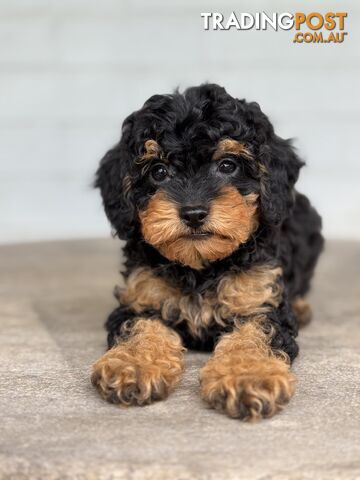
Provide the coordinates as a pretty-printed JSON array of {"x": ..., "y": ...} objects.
[{"x": 220, "y": 249}]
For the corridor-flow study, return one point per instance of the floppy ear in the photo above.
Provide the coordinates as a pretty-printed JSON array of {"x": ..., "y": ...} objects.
[
  {"x": 279, "y": 165},
  {"x": 114, "y": 181},
  {"x": 281, "y": 172}
]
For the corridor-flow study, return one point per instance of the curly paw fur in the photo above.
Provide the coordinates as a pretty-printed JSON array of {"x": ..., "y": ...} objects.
[
  {"x": 142, "y": 369},
  {"x": 244, "y": 379}
]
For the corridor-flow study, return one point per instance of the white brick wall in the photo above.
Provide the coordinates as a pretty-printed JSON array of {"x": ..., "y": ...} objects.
[{"x": 71, "y": 70}]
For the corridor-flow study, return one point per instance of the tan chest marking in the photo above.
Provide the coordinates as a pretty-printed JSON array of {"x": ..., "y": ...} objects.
[
  {"x": 145, "y": 290},
  {"x": 243, "y": 294},
  {"x": 252, "y": 292}
]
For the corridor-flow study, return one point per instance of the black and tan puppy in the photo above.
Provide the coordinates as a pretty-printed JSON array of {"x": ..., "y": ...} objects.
[{"x": 220, "y": 251}]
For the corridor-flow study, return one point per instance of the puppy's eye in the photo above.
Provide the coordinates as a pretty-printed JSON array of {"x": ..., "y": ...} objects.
[
  {"x": 159, "y": 172},
  {"x": 227, "y": 166}
]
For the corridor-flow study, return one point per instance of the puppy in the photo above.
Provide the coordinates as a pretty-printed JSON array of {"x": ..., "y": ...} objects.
[{"x": 220, "y": 249}]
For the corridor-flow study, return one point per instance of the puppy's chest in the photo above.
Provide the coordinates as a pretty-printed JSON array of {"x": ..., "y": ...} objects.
[{"x": 236, "y": 295}]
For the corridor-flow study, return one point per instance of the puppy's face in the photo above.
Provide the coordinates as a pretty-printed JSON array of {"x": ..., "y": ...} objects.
[
  {"x": 202, "y": 205},
  {"x": 196, "y": 174}
]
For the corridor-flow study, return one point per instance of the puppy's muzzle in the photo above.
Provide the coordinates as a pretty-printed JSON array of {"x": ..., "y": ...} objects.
[{"x": 194, "y": 216}]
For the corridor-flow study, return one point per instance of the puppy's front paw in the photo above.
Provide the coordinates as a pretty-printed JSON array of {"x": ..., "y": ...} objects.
[
  {"x": 249, "y": 389},
  {"x": 121, "y": 377},
  {"x": 142, "y": 369}
]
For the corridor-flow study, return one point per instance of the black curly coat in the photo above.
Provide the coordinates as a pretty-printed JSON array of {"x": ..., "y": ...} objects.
[{"x": 188, "y": 126}]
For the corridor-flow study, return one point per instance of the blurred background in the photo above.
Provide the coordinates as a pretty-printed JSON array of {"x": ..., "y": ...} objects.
[{"x": 71, "y": 70}]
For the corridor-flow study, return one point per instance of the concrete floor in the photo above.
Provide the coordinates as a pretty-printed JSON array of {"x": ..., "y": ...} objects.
[{"x": 54, "y": 298}]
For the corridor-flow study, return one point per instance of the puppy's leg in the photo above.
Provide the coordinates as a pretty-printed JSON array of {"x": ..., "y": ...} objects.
[
  {"x": 245, "y": 377},
  {"x": 143, "y": 368},
  {"x": 302, "y": 311}
]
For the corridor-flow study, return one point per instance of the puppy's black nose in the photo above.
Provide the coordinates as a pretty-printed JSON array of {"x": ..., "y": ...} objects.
[{"x": 194, "y": 216}]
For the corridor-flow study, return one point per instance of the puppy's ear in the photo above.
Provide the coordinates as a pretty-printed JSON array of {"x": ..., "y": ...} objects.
[
  {"x": 113, "y": 179},
  {"x": 280, "y": 169}
]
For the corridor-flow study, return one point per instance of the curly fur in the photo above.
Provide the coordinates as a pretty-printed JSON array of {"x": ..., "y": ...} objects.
[
  {"x": 245, "y": 378},
  {"x": 232, "y": 220},
  {"x": 259, "y": 244},
  {"x": 144, "y": 368}
]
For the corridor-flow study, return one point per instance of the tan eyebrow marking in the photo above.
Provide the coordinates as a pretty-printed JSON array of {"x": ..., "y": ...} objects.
[
  {"x": 228, "y": 145},
  {"x": 152, "y": 151}
]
